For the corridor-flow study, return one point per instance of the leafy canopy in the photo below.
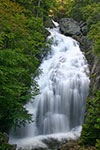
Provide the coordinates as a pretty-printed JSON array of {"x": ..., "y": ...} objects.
[{"x": 21, "y": 38}]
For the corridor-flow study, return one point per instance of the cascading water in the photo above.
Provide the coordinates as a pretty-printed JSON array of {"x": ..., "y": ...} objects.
[{"x": 63, "y": 86}]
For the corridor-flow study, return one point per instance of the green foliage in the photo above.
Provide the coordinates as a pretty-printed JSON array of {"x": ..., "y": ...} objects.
[
  {"x": 60, "y": 8},
  {"x": 93, "y": 34},
  {"x": 82, "y": 9},
  {"x": 91, "y": 128},
  {"x": 98, "y": 144},
  {"x": 91, "y": 13},
  {"x": 74, "y": 9},
  {"x": 21, "y": 39},
  {"x": 4, "y": 143},
  {"x": 88, "y": 11},
  {"x": 38, "y": 8}
]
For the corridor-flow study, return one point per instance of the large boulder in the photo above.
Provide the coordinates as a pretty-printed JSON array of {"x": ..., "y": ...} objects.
[{"x": 69, "y": 27}]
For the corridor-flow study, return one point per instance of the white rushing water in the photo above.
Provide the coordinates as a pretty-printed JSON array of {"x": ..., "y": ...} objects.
[{"x": 64, "y": 82}]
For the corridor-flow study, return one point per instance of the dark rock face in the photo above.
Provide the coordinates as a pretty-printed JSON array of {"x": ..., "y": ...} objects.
[
  {"x": 93, "y": 62},
  {"x": 95, "y": 75},
  {"x": 69, "y": 27}
]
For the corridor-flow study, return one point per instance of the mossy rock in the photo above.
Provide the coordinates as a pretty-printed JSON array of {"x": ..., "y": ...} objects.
[{"x": 4, "y": 142}]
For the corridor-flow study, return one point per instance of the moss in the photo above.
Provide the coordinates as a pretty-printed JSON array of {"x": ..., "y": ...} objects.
[
  {"x": 92, "y": 75},
  {"x": 98, "y": 144}
]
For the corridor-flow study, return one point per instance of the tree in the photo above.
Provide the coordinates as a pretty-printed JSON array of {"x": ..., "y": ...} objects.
[
  {"x": 91, "y": 127},
  {"x": 21, "y": 39}
]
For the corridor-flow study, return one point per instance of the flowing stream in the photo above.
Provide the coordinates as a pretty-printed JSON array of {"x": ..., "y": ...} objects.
[{"x": 58, "y": 110}]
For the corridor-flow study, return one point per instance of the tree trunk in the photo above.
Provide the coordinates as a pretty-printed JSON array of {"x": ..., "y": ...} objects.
[{"x": 39, "y": 2}]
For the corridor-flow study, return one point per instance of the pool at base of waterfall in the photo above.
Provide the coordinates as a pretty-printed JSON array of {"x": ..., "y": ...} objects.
[{"x": 46, "y": 142}]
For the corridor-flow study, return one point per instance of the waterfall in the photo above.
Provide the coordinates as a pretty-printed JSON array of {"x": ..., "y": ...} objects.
[{"x": 63, "y": 83}]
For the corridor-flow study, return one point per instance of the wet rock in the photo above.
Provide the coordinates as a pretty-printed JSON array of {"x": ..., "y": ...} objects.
[
  {"x": 87, "y": 49},
  {"x": 33, "y": 148},
  {"x": 46, "y": 144},
  {"x": 95, "y": 75},
  {"x": 69, "y": 27},
  {"x": 54, "y": 144},
  {"x": 93, "y": 62}
]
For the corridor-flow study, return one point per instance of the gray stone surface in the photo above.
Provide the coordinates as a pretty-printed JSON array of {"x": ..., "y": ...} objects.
[
  {"x": 48, "y": 144},
  {"x": 69, "y": 27}
]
